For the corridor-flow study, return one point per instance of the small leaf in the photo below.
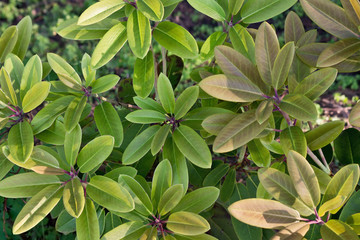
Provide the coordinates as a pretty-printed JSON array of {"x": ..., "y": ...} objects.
[
  {"x": 139, "y": 34},
  {"x": 176, "y": 39},
  {"x": 8, "y": 41},
  {"x": 170, "y": 198},
  {"x": 192, "y": 146},
  {"x": 109, "y": 45},
  {"x": 332, "y": 204},
  {"x": 21, "y": 141},
  {"x": 94, "y": 153},
  {"x": 99, "y": 11},
  {"x": 148, "y": 104},
  {"x": 35, "y": 96},
  {"x": 144, "y": 75},
  {"x": 87, "y": 224},
  {"x": 282, "y": 65},
  {"x": 242, "y": 41},
  {"x": 264, "y": 111},
  {"x": 264, "y": 213},
  {"x": 166, "y": 94},
  {"x": 210, "y": 8},
  {"x": 62, "y": 68},
  {"x": 159, "y": 139},
  {"x": 185, "y": 101},
  {"x": 294, "y": 28},
  {"x": 215, "y": 39},
  {"x": 188, "y": 224},
  {"x": 215, "y": 176},
  {"x": 73, "y": 197},
  {"x": 37, "y": 208},
  {"x": 108, "y": 122},
  {"x": 109, "y": 194},
  {"x": 354, "y": 117}
]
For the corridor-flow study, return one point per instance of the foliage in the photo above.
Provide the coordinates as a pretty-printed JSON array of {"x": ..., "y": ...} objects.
[{"x": 152, "y": 163}]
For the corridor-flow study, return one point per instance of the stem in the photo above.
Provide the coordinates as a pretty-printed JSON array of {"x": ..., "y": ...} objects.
[
  {"x": 156, "y": 73},
  {"x": 318, "y": 162},
  {"x": 163, "y": 54}
]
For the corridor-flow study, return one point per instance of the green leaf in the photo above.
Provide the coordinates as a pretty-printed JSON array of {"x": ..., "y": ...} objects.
[
  {"x": 166, "y": 94},
  {"x": 215, "y": 176},
  {"x": 109, "y": 45},
  {"x": 53, "y": 135},
  {"x": 215, "y": 39},
  {"x": 146, "y": 117},
  {"x": 257, "y": 11},
  {"x": 332, "y": 204},
  {"x": 185, "y": 101},
  {"x": 26, "y": 185},
  {"x": 281, "y": 187},
  {"x": 259, "y": 154},
  {"x": 306, "y": 182},
  {"x": 63, "y": 69},
  {"x": 104, "y": 83},
  {"x": 152, "y": 9},
  {"x": 293, "y": 138},
  {"x": 354, "y": 117},
  {"x": 73, "y": 113},
  {"x": 109, "y": 194},
  {"x": 115, "y": 173},
  {"x": 32, "y": 75},
  {"x": 264, "y": 111},
  {"x": 323, "y": 135},
  {"x": 187, "y": 223},
  {"x": 162, "y": 180},
  {"x": 210, "y": 8},
  {"x": 346, "y": 146},
  {"x": 24, "y": 36},
  {"x": 47, "y": 116},
  {"x": 144, "y": 75},
  {"x": 108, "y": 122},
  {"x": 178, "y": 163},
  {"x": 65, "y": 223},
  {"x": 72, "y": 144},
  {"x": 238, "y": 132},
  {"x": 338, "y": 52},
  {"x": 266, "y": 50},
  {"x": 353, "y": 221},
  {"x": 69, "y": 29},
  {"x": 234, "y": 63},
  {"x": 337, "y": 230},
  {"x": 21, "y": 141},
  {"x": 322, "y": 177},
  {"x": 73, "y": 197},
  {"x": 231, "y": 88},
  {"x": 228, "y": 185},
  {"x": 195, "y": 118},
  {"x": 139, "y": 146},
  {"x": 159, "y": 139},
  {"x": 198, "y": 200},
  {"x": 129, "y": 230},
  {"x": 330, "y": 17},
  {"x": 235, "y": 6},
  {"x": 170, "y": 198},
  {"x": 8, "y": 41},
  {"x": 282, "y": 65},
  {"x": 299, "y": 106},
  {"x": 294, "y": 28},
  {"x": 6, "y": 86},
  {"x": 35, "y": 96},
  {"x": 343, "y": 183},
  {"x": 87, "y": 225},
  {"x": 141, "y": 198},
  {"x": 148, "y": 104},
  {"x": 15, "y": 67},
  {"x": 99, "y": 11},
  {"x": 314, "y": 85},
  {"x": 176, "y": 39},
  {"x": 94, "y": 153},
  {"x": 294, "y": 231},
  {"x": 139, "y": 34},
  {"x": 5, "y": 166},
  {"x": 192, "y": 146},
  {"x": 242, "y": 41},
  {"x": 37, "y": 208},
  {"x": 264, "y": 213}
]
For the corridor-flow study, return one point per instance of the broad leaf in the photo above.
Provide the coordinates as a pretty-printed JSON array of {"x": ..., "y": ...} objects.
[
  {"x": 337, "y": 230},
  {"x": 170, "y": 198},
  {"x": 346, "y": 146},
  {"x": 185, "y": 101},
  {"x": 324, "y": 134},
  {"x": 73, "y": 197},
  {"x": 146, "y": 117},
  {"x": 282, "y": 65},
  {"x": 35, "y": 96},
  {"x": 63, "y": 69},
  {"x": 293, "y": 138},
  {"x": 73, "y": 113},
  {"x": 187, "y": 223},
  {"x": 210, "y": 8},
  {"x": 87, "y": 225},
  {"x": 152, "y": 9},
  {"x": 294, "y": 28},
  {"x": 299, "y": 106},
  {"x": 162, "y": 180},
  {"x": 94, "y": 153},
  {"x": 21, "y": 141},
  {"x": 144, "y": 75},
  {"x": 139, "y": 34},
  {"x": 129, "y": 230},
  {"x": 166, "y": 94}
]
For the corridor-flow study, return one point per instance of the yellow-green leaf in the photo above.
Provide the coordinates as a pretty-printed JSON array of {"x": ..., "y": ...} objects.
[
  {"x": 73, "y": 197},
  {"x": 35, "y": 96},
  {"x": 139, "y": 33},
  {"x": 187, "y": 223}
]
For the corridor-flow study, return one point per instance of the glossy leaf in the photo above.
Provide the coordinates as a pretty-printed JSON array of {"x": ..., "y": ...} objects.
[
  {"x": 73, "y": 197},
  {"x": 215, "y": 39},
  {"x": 6, "y": 86},
  {"x": 264, "y": 213},
  {"x": 129, "y": 230},
  {"x": 104, "y": 83},
  {"x": 162, "y": 180},
  {"x": 259, "y": 154},
  {"x": 99, "y": 11},
  {"x": 87, "y": 224},
  {"x": 210, "y": 8},
  {"x": 159, "y": 139},
  {"x": 166, "y": 94},
  {"x": 187, "y": 223},
  {"x": 35, "y": 96},
  {"x": 32, "y": 75},
  {"x": 146, "y": 117},
  {"x": 8, "y": 41},
  {"x": 108, "y": 122},
  {"x": 109, "y": 45},
  {"x": 346, "y": 146},
  {"x": 293, "y": 138},
  {"x": 170, "y": 198},
  {"x": 324, "y": 134},
  {"x": 337, "y": 230},
  {"x": 242, "y": 40},
  {"x": 53, "y": 135},
  {"x": 72, "y": 144},
  {"x": 332, "y": 204},
  {"x": 214, "y": 177},
  {"x": 139, "y": 34},
  {"x": 37, "y": 208},
  {"x": 73, "y": 113},
  {"x": 185, "y": 101},
  {"x": 176, "y": 39},
  {"x": 21, "y": 141},
  {"x": 152, "y": 9},
  {"x": 144, "y": 75},
  {"x": 63, "y": 69},
  {"x": 148, "y": 104},
  {"x": 139, "y": 146},
  {"x": 192, "y": 146},
  {"x": 109, "y": 194}
]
